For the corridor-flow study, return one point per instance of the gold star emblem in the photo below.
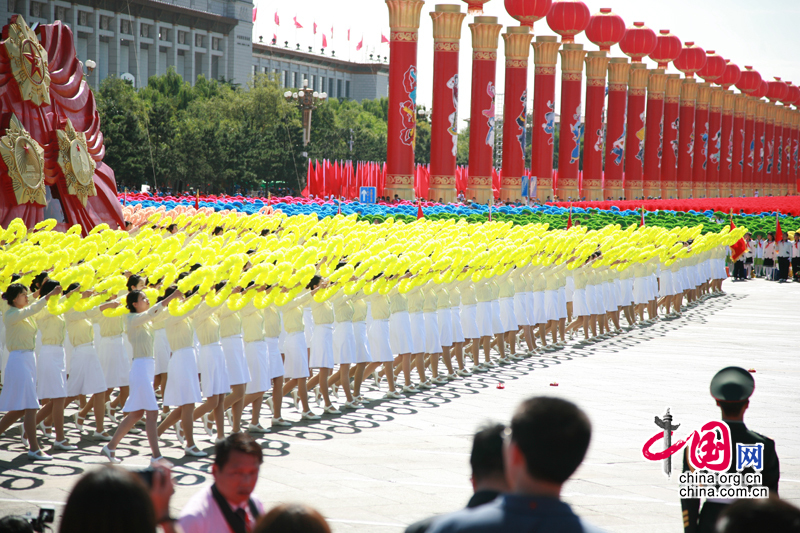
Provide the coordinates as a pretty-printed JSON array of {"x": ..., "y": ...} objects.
[
  {"x": 76, "y": 162},
  {"x": 28, "y": 62},
  {"x": 24, "y": 158}
]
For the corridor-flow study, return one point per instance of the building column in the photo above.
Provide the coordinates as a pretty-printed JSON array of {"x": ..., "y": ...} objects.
[
  {"x": 485, "y": 34},
  {"x": 654, "y": 133},
  {"x": 737, "y": 170},
  {"x": 113, "y": 49},
  {"x": 726, "y": 151},
  {"x": 571, "y": 127},
  {"x": 545, "y": 57},
  {"x": 447, "y": 21},
  {"x": 714, "y": 142},
  {"x": 594, "y": 136},
  {"x": 635, "y": 131},
  {"x": 749, "y": 145},
  {"x": 686, "y": 137},
  {"x": 618, "y": 69},
  {"x": 669, "y": 151},
  {"x": 700, "y": 162},
  {"x": 402, "y": 124}
]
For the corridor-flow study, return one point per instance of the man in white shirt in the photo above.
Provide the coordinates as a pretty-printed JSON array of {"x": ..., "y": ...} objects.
[
  {"x": 748, "y": 256},
  {"x": 796, "y": 256},
  {"x": 758, "y": 248},
  {"x": 783, "y": 250},
  {"x": 228, "y": 504}
]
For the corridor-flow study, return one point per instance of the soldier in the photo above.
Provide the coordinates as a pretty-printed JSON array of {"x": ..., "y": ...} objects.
[{"x": 731, "y": 387}]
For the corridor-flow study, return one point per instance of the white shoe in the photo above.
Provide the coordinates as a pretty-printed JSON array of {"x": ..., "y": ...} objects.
[
  {"x": 439, "y": 381},
  {"x": 332, "y": 410},
  {"x": 257, "y": 428},
  {"x": 392, "y": 395},
  {"x": 110, "y": 412},
  {"x": 410, "y": 389},
  {"x": 208, "y": 426},
  {"x": 155, "y": 461},
  {"x": 310, "y": 416},
  {"x": 280, "y": 422},
  {"x": 110, "y": 454},
  {"x": 105, "y": 437},
  {"x": 194, "y": 451},
  {"x": 352, "y": 405},
  {"x": 64, "y": 446},
  {"x": 39, "y": 455},
  {"x": 426, "y": 385},
  {"x": 229, "y": 416},
  {"x": 463, "y": 373},
  {"x": 46, "y": 430},
  {"x": 360, "y": 399},
  {"x": 179, "y": 432}
]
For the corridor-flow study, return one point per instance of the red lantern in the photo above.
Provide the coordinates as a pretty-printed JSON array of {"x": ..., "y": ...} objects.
[
  {"x": 605, "y": 29},
  {"x": 691, "y": 59},
  {"x": 749, "y": 81},
  {"x": 730, "y": 76},
  {"x": 528, "y": 11},
  {"x": 714, "y": 67},
  {"x": 762, "y": 90},
  {"x": 475, "y": 7},
  {"x": 793, "y": 96},
  {"x": 668, "y": 48},
  {"x": 638, "y": 42},
  {"x": 568, "y": 18},
  {"x": 777, "y": 90}
]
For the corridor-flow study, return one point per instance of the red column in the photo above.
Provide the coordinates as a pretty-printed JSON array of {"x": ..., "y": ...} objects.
[
  {"x": 669, "y": 152},
  {"x": 485, "y": 32},
  {"x": 596, "y": 66},
  {"x": 758, "y": 162},
  {"x": 726, "y": 148},
  {"x": 686, "y": 138},
  {"x": 787, "y": 150},
  {"x": 634, "y": 136},
  {"x": 714, "y": 142},
  {"x": 402, "y": 122},
  {"x": 749, "y": 145},
  {"x": 795, "y": 176},
  {"x": 777, "y": 168},
  {"x": 447, "y": 21},
  {"x": 618, "y": 69},
  {"x": 769, "y": 151},
  {"x": 571, "y": 132},
  {"x": 656, "y": 86},
  {"x": 517, "y": 41},
  {"x": 545, "y": 55},
  {"x": 700, "y": 161},
  {"x": 737, "y": 171}
]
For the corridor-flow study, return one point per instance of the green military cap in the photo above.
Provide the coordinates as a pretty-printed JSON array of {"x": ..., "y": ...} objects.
[{"x": 732, "y": 384}]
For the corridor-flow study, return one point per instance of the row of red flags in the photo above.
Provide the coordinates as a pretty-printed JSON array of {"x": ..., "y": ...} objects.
[{"x": 299, "y": 26}]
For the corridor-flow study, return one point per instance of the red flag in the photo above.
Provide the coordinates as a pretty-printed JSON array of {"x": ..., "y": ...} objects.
[
  {"x": 360, "y": 44},
  {"x": 277, "y": 19},
  {"x": 420, "y": 214},
  {"x": 384, "y": 39},
  {"x": 642, "y": 224},
  {"x": 569, "y": 219},
  {"x": 348, "y": 34},
  {"x": 739, "y": 247},
  {"x": 315, "y": 28},
  {"x": 778, "y": 231},
  {"x": 297, "y": 24},
  {"x": 490, "y": 209},
  {"x": 331, "y": 32},
  {"x": 197, "y": 194},
  {"x": 255, "y": 10},
  {"x": 324, "y": 41},
  {"x": 274, "y": 38}
]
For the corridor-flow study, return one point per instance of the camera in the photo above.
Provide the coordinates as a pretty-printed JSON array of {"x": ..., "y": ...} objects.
[{"x": 47, "y": 515}]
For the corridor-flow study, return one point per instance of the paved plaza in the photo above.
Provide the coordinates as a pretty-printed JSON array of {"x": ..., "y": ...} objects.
[{"x": 384, "y": 466}]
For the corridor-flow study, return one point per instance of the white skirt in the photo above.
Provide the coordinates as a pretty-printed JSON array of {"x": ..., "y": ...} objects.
[
  {"x": 51, "y": 372},
  {"x": 627, "y": 292},
  {"x": 344, "y": 344},
  {"x": 579, "y": 303},
  {"x": 551, "y": 305},
  {"x": 497, "y": 322},
  {"x": 238, "y": 373},
  {"x": 665, "y": 284},
  {"x": 610, "y": 293},
  {"x": 469, "y": 322},
  {"x": 258, "y": 364},
  {"x": 539, "y": 315},
  {"x": 418, "y": 332},
  {"x": 142, "y": 395},
  {"x": 183, "y": 388},
  {"x": 592, "y": 304},
  {"x": 484, "y": 318},
  {"x": 455, "y": 321},
  {"x": 214, "y": 370},
  {"x": 399, "y": 333},
  {"x": 521, "y": 308},
  {"x": 562, "y": 302},
  {"x": 322, "y": 346},
  {"x": 85, "y": 372},
  {"x": 296, "y": 365},
  {"x": 363, "y": 354},
  {"x": 19, "y": 390},
  {"x": 507, "y": 315},
  {"x": 275, "y": 360},
  {"x": 640, "y": 292},
  {"x": 433, "y": 342},
  {"x": 161, "y": 351},
  {"x": 115, "y": 361},
  {"x": 444, "y": 318},
  {"x": 570, "y": 288},
  {"x": 378, "y": 335}
]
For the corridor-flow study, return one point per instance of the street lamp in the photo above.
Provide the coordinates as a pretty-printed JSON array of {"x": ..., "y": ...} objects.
[{"x": 307, "y": 101}]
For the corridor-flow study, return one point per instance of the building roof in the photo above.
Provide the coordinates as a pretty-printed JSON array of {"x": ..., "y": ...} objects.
[
  {"x": 334, "y": 63},
  {"x": 166, "y": 11}
]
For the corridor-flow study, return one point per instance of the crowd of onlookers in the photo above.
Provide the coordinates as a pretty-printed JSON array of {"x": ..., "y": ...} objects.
[
  {"x": 517, "y": 474},
  {"x": 769, "y": 257}
]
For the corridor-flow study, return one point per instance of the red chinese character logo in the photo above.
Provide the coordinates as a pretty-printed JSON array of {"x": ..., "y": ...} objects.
[{"x": 710, "y": 448}]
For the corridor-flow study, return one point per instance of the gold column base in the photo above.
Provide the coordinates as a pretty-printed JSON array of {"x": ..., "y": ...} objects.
[
  {"x": 593, "y": 190},
  {"x": 634, "y": 189},
  {"x": 568, "y": 190},
  {"x": 736, "y": 190},
  {"x": 712, "y": 191},
  {"x": 699, "y": 191},
  {"x": 747, "y": 189},
  {"x": 511, "y": 188},
  {"x": 669, "y": 190},
  {"x": 480, "y": 188},
  {"x": 446, "y": 194},
  {"x": 651, "y": 189},
  {"x": 544, "y": 189},
  {"x": 724, "y": 190},
  {"x": 613, "y": 188},
  {"x": 401, "y": 185},
  {"x": 684, "y": 190}
]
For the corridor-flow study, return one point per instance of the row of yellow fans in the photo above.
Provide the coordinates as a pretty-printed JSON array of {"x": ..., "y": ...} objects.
[{"x": 292, "y": 250}]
